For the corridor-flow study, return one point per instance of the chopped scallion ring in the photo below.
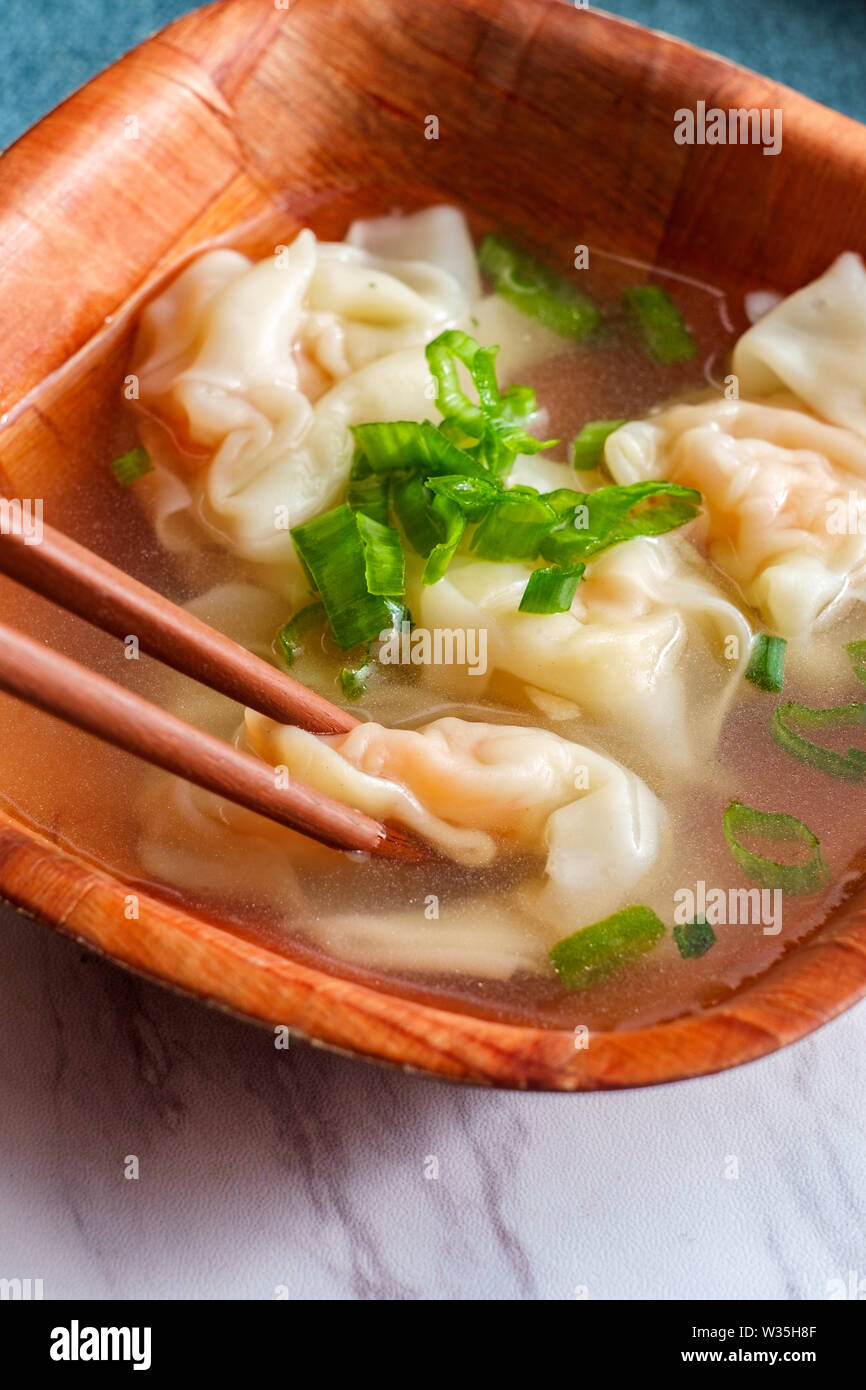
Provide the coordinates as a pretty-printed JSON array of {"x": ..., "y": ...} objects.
[
  {"x": 587, "y": 451},
  {"x": 354, "y": 680},
  {"x": 551, "y": 590},
  {"x": 335, "y": 557},
  {"x": 660, "y": 324},
  {"x": 291, "y": 635},
  {"x": 806, "y": 877},
  {"x": 536, "y": 290},
  {"x": 766, "y": 668},
  {"x": 132, "y": 466},
  {"x": 384, "y": 562},
  {"x": 787, "y": 719},
  {"x": 694, "y": 939},
  {"x": 857, "y": 656},
  {"x": 605, "y": 947}
]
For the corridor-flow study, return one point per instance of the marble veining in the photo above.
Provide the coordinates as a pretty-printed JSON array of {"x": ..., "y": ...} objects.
[{"x": 295, "y": 1174}]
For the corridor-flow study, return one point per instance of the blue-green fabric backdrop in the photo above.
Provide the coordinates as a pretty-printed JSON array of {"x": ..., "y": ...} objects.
[{"x": 50, "y": 47}]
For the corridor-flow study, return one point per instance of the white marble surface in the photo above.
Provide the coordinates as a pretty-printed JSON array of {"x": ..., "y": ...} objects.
[{"x": 261, "y": 1169}]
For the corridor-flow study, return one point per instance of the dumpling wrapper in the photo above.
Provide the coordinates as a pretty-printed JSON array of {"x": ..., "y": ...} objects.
[
  {"x": 478, "y": 791},
  {"x": 262, "y": 368},
  {"x": 644, "y": 649},
  {"x": 775, "y": 482},
  {"x": 437, "y": 235},
  {"x": 813, "y": 343}
]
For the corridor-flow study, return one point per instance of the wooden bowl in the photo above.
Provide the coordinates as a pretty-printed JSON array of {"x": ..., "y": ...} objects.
[{"x": 553, "y": 121}]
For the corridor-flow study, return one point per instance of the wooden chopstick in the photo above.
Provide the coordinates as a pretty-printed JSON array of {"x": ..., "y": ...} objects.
[
  {"x": 75, "y": 578},
  {"x": 43, "y": 677}
]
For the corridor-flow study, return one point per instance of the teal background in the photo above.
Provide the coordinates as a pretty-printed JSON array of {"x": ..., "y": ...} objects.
[{"x": 50, "y": 47}]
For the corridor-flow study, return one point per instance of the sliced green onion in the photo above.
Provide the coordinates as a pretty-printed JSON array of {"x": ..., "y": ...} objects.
[
  {"x": 536, "y": 290},
  {"x": 474, "y": 496},
  {"x": 131, "y": 466},
  {"x": 806, "y": 877},
  {"x": 515, "y": 527},
  {"x": 368, "y": 491},
  {"x": 440, "y": 557},
  {"x": 766, "y": 668},
  {"x": 355, "y": 679},
  {"x": 614, "y": 514},
  {"x": 399, "y": 445},
  {"x": 497, "y": 421},
  {"x": 605, "y": 947},
  {"x": 551, "y": 590},
  {"x": 588, "y": 448},
  {"x": 694, "y": 939},
  {"x": 331, "y": 548},
  {"x": 413, "y": 505},
  {"x": 564, "y": 500},
  {"x": 850, "y": 766},
  {"x": 291, "y": 635},
  {"x": 641, "y": 509},
  {"x": 502, "y": 441},
  {"x": 857, "y": 655},
  {"x": 659, "y": 324},
  {"x": 443, "y": 354},
  {"x": 518, "y": 405},
  {"x": 384, "y": 563}
]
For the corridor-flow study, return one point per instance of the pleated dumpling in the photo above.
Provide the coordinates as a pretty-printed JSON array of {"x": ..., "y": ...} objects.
[
  {"x": 259, "y": 369},
  {"x": 780, "y": 490},
  {"x": 813, "y": 343},
  {"x": 649, "y": 644},
  {"x": 478, "y": 791},
  {"x": 436, "y": 236}
]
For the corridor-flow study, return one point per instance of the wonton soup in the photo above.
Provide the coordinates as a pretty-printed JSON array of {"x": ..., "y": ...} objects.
[{"x": 587, "y": 564}]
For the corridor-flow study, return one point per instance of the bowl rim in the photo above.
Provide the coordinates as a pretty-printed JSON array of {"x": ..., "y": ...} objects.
[{"x": 813, "y": 982}]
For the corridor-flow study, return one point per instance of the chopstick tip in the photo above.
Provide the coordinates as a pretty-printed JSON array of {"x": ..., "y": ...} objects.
[{"x": 397, "y": 844}]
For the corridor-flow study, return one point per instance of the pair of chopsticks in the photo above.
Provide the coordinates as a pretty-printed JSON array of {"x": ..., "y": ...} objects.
[{"x": 80, "y": 581}]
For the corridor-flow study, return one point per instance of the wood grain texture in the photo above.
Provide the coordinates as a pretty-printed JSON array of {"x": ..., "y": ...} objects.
[
  {"x": 32, "y": 671},
  {"x": 554, "y": 123},
  {"x": 84, "y": 583}
]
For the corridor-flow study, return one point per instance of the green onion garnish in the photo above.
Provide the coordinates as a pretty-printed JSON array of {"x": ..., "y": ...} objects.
[
  {"x": 355, "y": 679},
  {"x": 613, "y": 514},
  {"x": 641, "y": 509},
  {"x": 551, "y": 590},
  {"x": 398, "y": 445},
  {"x": 334, "y": 554},
  {"x": 291, "y": 635},
  {"x": 806, "y": 877},
  {"x": 660, "y": 324},
  {"x": 496, "y": 423},
  {"x": 440, "y": 557},
  {"x": 368, "y": 491},
  {"x": 857, "y": 655},
  {"x": 605, "y": 947},
  {"x": 384, "y": 563},
  {"x": 536, "y": 290},
  {"x": 440, "y": 479},
  {"x": 515, "y": 528},
  {"x": 694, "y": 939},
  {"x": 131, "y": 466},
  {"x": 766, "y": 668},
  {"x": 588, "y": 448},
  {"x": 443, "y": 354},
  {"x": 850, "y": 766},
  {"x": 474, "y": 496},
  {"x": 413, "y": 505},
  {"x": 564, "y": 500}
]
